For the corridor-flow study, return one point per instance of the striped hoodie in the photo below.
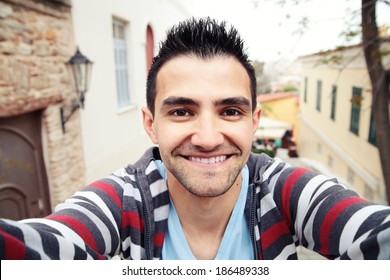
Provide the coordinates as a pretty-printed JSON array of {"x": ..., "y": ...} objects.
[{"x": 126, "y": 214}]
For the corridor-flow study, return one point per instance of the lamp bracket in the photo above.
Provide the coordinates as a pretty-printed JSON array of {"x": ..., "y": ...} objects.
[{"x": 67, "y": 111}]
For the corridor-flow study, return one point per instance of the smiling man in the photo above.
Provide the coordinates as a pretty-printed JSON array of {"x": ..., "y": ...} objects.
[
  {"x": 205, "y": 108},
  {"x": 203, "y": 123},
  {"x": 201, "y": 193}
]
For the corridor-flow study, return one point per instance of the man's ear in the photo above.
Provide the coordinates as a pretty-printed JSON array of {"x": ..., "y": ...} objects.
[
  {"x": 256, "y": 118},
  {"x": 148, "y": 122}
]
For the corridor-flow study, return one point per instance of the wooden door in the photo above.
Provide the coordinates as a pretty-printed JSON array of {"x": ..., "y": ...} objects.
[{"x": 24, "y": 191}]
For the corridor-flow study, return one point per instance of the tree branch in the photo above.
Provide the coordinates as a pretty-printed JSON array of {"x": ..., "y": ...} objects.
[{"x": 385, "y": 2}]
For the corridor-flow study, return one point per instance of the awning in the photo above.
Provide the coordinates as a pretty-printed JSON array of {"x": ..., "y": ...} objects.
[{"x": 271, "y": 129}]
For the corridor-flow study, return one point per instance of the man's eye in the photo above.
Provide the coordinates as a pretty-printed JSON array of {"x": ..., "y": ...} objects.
[
  {"x": 231, "y": 112},
  {"x": 180, "y": 113}
]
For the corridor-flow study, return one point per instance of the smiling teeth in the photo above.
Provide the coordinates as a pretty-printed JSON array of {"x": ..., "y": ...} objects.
[{"x": 208, "y": 160}]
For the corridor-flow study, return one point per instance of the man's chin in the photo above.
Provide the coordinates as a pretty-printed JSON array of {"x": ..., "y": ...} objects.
[{"x": 218, "y": 188}]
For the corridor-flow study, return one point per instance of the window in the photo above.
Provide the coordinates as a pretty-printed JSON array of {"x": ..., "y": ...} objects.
[
  {"x": 149, "y": 47},
  {"x": 371, "y": 133},
  {"x": 355, "y": 109},
  {"x": 333, "y": 103},
  {"x": 305, "y": 91},
  {"x": 319, "y": 90},
  {"x": 121, "y": 69}
]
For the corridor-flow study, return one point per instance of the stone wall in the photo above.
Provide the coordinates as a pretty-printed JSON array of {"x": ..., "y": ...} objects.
[{"x": 36, "y": 39}]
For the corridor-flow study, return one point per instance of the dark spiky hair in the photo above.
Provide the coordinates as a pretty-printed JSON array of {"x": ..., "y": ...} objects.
[{"x": 205, "y": 38}]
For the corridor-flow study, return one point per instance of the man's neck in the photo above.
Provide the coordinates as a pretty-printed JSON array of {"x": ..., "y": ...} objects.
[{"x": 203, "y": 219}]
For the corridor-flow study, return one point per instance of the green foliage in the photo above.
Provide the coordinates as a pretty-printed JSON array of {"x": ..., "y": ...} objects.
[
  {"x": 357, "y": 100},
  {"x": 290, "y": 88},
  {"x": 270, "y": 153},
  {"x": 351, "y": 33},
  {"x": 329, "y": 58},
  {"x": 263, "y": 82}
]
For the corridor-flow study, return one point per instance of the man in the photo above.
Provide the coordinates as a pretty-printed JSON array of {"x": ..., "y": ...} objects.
[{"x": 201, "y": 194}]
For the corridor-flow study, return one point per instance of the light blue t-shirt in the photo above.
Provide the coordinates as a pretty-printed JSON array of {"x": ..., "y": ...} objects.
[{"x": 236, "y": 242}]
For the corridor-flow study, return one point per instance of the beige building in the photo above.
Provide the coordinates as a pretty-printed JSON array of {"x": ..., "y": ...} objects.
[{"x": 336, "y": 128}]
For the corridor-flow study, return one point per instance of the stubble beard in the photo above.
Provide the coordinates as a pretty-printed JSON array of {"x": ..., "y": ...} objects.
[{"x": 208, "y": 184}]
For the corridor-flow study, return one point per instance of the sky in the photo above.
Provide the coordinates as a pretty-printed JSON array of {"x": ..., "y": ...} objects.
[{"x": 269, "y": 30}]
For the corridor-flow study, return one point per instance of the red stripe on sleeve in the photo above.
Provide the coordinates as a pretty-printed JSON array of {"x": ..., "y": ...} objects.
[
  {"x": 159, "y": 239},
  {"x": 331, "y": 217},
  {"x": 287, "y": 190},
  {"x": 109, "y": 190},
  {"x": 273, "y": 233},
  {"x": 78, "y": 227},
  {"x": 14, "y": 248},
  {"x": 133, "y": 220}
]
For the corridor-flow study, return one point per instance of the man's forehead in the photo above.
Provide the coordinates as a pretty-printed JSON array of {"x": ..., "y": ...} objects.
[
  {"x": 190, "y": 80},
  {"x": 225, "y": 69},
  {"x": 193, "y": 59}
]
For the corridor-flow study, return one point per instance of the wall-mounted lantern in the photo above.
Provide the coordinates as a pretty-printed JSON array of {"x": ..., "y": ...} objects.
[{"x": 80, "y": 68}]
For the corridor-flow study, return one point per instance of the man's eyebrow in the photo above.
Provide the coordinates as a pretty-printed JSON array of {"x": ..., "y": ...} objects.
[
  {"x": 178, "y": 100},
  {"x": 238, "y": 101}
]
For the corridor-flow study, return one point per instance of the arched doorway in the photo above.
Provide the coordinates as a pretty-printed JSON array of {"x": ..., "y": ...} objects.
[
  {"x": 24, "y": 191},
  {"x": 149, "y": 47}
]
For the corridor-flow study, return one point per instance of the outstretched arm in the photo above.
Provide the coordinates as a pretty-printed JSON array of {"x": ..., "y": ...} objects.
[
  {"x": 85, "y": 226},
  {"x": 330, "y": 219}
]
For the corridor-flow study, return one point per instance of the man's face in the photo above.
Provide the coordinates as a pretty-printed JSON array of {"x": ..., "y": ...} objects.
[{"x": 203, "y": 123}]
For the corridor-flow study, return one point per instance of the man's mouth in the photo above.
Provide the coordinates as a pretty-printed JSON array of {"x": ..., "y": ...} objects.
[{"x": 209, "y": 160}]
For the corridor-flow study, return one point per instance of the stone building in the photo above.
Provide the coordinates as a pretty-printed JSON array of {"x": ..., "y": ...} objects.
[{"x": 39, "y": 164}]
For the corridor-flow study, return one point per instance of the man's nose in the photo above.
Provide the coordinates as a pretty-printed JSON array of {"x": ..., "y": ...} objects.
[{"x": 207, "y": 134}]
